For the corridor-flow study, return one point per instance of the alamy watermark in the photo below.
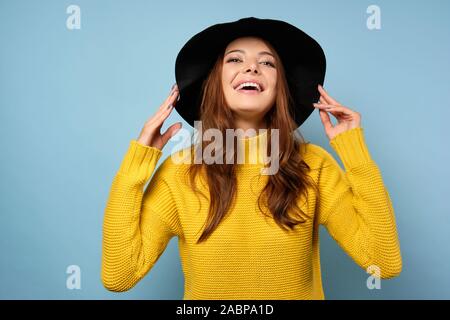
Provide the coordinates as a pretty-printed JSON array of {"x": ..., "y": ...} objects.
[
  {"x": 374, "y": 281},
  {"x": 73, "y": 21},
  {"x": 373, "y": 22},
  {"x": 213, "y": 152},
  {"x": 73, "y": 281}
]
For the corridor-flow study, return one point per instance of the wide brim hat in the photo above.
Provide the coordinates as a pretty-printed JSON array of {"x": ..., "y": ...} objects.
[{"x": 302, "y": 57}]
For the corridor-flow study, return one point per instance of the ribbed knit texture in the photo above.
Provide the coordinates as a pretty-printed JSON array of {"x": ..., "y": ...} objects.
[{"x": 248, "y": 256}]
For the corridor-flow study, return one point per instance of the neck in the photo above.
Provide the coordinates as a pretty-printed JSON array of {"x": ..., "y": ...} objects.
[
  {"x": 250, "y": 151},
  {"x": 249, "y": 126}
]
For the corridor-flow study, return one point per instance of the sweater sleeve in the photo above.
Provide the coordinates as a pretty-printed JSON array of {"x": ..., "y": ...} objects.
[
  {"x": 355, "y": 206},
  {"x": 137, "y": 225}
]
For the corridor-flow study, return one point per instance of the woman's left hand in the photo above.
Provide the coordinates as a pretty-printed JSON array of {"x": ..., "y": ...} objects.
[{"x": 347, "y": 118}]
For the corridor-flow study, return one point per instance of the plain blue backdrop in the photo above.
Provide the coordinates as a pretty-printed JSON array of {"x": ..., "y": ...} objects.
[{"x": 71, "y": 101}]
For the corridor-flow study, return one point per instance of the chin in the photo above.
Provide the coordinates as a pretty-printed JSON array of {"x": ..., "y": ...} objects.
[
  {"x": 240, "y": 102},
  {"x": 247, "y": 109}
]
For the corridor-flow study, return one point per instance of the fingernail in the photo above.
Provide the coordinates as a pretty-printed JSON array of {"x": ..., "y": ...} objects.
[{"x": 169, "y": 106}]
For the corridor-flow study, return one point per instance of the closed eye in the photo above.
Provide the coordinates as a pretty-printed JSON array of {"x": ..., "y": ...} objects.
[{"x": 270, "y": 63}]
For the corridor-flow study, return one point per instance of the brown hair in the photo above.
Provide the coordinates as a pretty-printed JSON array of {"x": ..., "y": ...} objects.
[{"x": 283, "y": 188}]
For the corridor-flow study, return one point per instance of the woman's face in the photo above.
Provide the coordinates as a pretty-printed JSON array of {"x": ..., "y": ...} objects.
[{"x": 248, "y": 59}]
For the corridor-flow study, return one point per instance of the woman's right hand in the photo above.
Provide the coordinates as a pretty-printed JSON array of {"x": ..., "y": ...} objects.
[{"x": 150, "y": 134}]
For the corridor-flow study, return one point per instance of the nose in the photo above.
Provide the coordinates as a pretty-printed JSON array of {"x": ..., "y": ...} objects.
[{"x": 252, "y": 68}]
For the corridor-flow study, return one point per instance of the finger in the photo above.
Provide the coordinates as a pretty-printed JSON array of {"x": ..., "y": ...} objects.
[
  {"x": 172, "y": 95},
  {"x": 327, "y": 97},
  {"x": 162, "y": 115},
  {"x": 163, "y": 111},
  {"x": 339, "y": 109},
  {"x": 171, "y": 100},
  {"x": 333, "y": 108},
  {"x": 170, "y": 132},
  {"x": 325, "y": 117},
  {"x": 323, "y": 105},
  {"x": 323, "y": 101},
  {"x": 327, "y": 107},
  {"x": 167, "y": 101}
]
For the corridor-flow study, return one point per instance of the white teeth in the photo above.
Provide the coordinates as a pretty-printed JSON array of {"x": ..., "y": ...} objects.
[{"x": 248, "y": 84}]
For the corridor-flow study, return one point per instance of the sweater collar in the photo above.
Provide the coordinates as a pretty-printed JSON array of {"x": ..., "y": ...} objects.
[{"x": 252, "y": 150}]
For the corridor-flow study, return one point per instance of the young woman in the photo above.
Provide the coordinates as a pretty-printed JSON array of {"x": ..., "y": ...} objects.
[{"x": 243, "y": 234}]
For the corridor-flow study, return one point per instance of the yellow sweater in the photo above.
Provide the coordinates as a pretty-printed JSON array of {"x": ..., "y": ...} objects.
[{"x": 247, "y": 256}]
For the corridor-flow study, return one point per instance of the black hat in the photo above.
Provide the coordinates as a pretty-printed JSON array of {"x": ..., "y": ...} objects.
[{"x": 303, "y": 59}]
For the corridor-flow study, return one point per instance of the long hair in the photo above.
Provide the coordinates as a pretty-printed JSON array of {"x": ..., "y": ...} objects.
[{"x": 284, "y": 188}]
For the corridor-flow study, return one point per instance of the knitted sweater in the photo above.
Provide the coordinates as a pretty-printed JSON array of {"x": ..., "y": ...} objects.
[{"x": 248, "y": 256}]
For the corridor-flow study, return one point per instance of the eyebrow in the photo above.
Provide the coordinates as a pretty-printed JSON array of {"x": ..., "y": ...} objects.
[{"x": 242, "y": 51}]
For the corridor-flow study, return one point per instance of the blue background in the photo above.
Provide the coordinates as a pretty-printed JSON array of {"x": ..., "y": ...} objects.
[{"x": 71, "y": 101}]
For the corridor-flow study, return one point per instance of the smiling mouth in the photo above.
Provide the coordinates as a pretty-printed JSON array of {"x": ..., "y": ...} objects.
[{"x": 249, "y": 90}]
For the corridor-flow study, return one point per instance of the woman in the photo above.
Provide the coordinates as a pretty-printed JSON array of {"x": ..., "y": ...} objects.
[{"x": 243, "y": 234}]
